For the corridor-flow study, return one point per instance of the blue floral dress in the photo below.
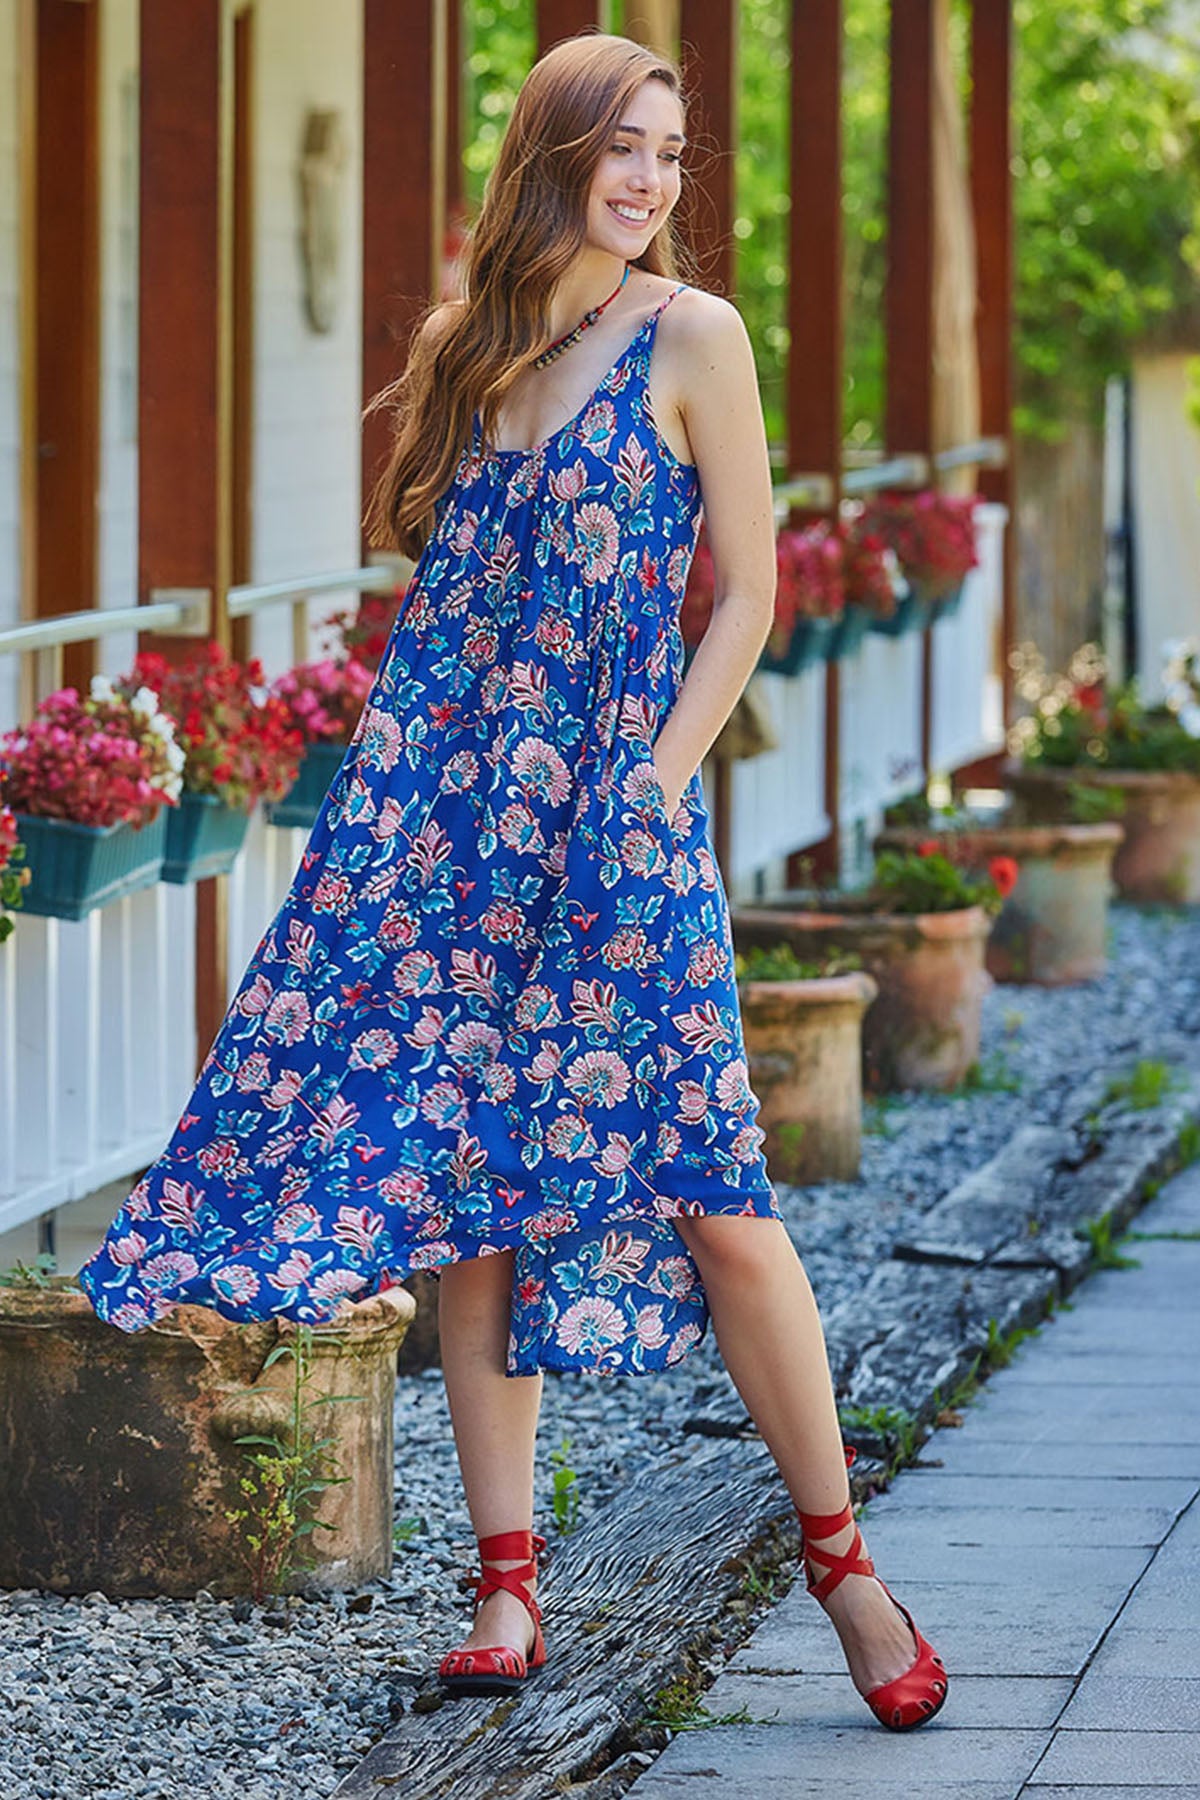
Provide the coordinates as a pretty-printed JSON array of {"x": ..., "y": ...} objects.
[{"x": 497, "y": 1008}]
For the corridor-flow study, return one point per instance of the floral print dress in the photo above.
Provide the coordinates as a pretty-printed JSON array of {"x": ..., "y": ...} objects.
[{"x": 497, "y": 1008}]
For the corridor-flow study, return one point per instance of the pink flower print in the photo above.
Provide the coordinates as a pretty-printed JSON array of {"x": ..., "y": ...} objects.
[
  {"x": 648, "y": 1327},
  {"x": 693, "y": 1102},
  {"x": 468, "y": 1160},
  {"x": 221, "y": 1157},
  {"x": 473, "y": 972},
  {"x": 493, "y": 691},
  {"x": 333, "y": 894},
  {"x": 550, "y": 1222},
  {"x": 427, "y": 1030},
  {"x": 498, "y": 1081},
  {"x": 358, "y": 1228},
  {"x": 473, "y": 1046},
  {"x": 597, "y": 541},
  {"x": 629, "y": 948},
  {"x": 337, "y": 1284},
  {"x": 642, "y": 791},
  {"x": 555, "y": 860},
  {"x": 570, "y": 1138},
  {"x": 546, "y": 1060},
  {"x": 334, "y": 1120},
  {"x": 594, "y": 1003},
  {"x": 590, "y": 1325},
  {"x": 288, "y": 1017},
  {"x": 707, "y": 962},
  {"x": 480, "y": 646},
  {"x": 674, "y": 1276},
  {"x": 706, "y": 868},
  {"x": 685, "y": 1339},
  {"x": 373, "y": 1050},
  {"x": 236, "y": 1283},
  {"x": 301, "y": 939},
  {"x": 382, "y": 739},
  {"x": 295, "y": 1223},
  {"x": 638, "y": 722},
  {"x": 130, "y": 1316},
  {"x": 294, "y": 1182},
  {"x": 681, "y": 878},
  {"x": 616, "y": 1155},
  {"x": 428, "y": 1256},
  {"x": 537, "y": 1008},
  {"x": 520, "y": 830},
  {"x": 127, "y": 1250},
  {"x": 398, "y": 928},
  {"x": 599, "y": 1078},
  {"x": 256, "y": 998},
  {"x": 464, "y": 532},
  {"x": 642, "y": 854},
  {"x": 284, "y": 1090},
  {"x": 460, "y": 773},
  {"x": 568, "y": 483},
  {"x": 391, "y": 818},
  {"x": 541, "y": 771},
  {"x": 180, "y": 1204},
  {"x": 404, "y": 1186},
  {"x": 417, "y": 973},
  {"x": 169, "y": 1270},
  {"x": 555, "y": 635},
  {"x": 292, "y": 1272},
  {"x": 444, "y": 1106},
  {"x": 668, "y": 1143},
  {"x": 746, "y": 1145},
  {"x": 678, "y": 564},
  {"x": 530, "y": 689},
  {"x": 733, "y": 1088},
  {"x": 704, "y": 1027},
  {"x": 597, "y": 426},
  {"x": 254, "y": 1073},
  {"x": 504, "y": 923}
]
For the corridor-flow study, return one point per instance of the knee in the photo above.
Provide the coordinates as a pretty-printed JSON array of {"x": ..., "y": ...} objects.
[{"x": 735, "y": 1248}]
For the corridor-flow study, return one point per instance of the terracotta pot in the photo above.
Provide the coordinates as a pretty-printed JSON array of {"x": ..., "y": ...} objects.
[
  {"x": 923, "y": 1031},
  {"x": 1053, "y": 927},
  {"x": 804, "y": 1048},
  {"x": 117, "y": 1459},
  {"x": 1159, "y": 861}
]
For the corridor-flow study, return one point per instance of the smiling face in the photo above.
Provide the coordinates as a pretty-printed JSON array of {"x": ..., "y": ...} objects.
[{"x": 637, "y": 181}]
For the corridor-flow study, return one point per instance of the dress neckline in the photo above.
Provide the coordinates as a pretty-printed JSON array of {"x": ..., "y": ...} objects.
[{"x": 544, "y": 443}]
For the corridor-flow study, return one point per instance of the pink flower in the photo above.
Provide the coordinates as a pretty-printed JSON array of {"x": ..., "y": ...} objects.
[
  {"x": 693, "y": 1102},
  {"x": 171, "y": 1269},
  {"x": 540, "y": 770},
  {"x": 570, "y": 1139},
  {"x": 236, "y": 1283},
  {"x": 590, "y": 1325},
  {"x": 599, "y": 1078},
  {"x": 297, "y": 1222},
  {"x": 292, "y": 1272},
  {"x": 616, "y": 1155},
  {"x": 373, "y": 1050},
  {"x": 288, "y": 1017},
  {"x": 128, "y": 1249},
  {"x": 358, "y": 1227}
]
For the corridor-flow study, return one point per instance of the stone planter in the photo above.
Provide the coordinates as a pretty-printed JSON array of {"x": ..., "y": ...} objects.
[
  {"x": 804, "y": 1049},
  {"x": 117, "y": 1458},
  {"x": 1053, "y": 927},
  {"x": 1159, "y": 861},
  {"x": 923, "y": 1030}
]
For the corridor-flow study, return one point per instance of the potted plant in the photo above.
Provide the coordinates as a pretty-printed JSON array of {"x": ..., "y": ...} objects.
[
  {"x": 933, "y": 538},
  {"x": 920, "y": 930},
  {"x": 809, "y": 599},
  {"x": 803, "y": 1029},
  {"x": 870, "y": 573},
  {"x": 1054, "y": 881},
  {"x": 90, "y": 783},
  {"x": 1085, "y": 736},
  {"x": 239, "y": 747},
  {"x": 323, "y": 701},
  {"x": 148, "y": 1462},
  {"x": 13, "y": 875}
]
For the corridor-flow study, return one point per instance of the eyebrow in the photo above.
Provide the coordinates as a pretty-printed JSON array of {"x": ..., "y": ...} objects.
[{"x": 672, "y": 137}]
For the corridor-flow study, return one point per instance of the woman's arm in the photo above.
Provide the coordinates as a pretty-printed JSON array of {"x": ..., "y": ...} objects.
[{"x": 711, "y": 370}]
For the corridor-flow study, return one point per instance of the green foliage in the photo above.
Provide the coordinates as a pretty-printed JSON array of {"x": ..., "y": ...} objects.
[
  {"x": 992, "y": 1074},
  {"x": 1187, "y": 1147},
  {"x": 1145, "y": 1087},
  {"x": 1091, "y": 805},
  {"x": 37, "y": 1274},
  {"x": 498, "y": 53},
  {"x": 286, "y": 1477},
  {"x": 780, "y": 963},
  {"x": 679, "y": 1708},
  {"x": 1105, "y": 1254},
  {"x": 910, "y": 883},
  {"x": 998, "y": 1351},
  {"x": 565, "y": 1497},
  {"x": 896, "y": 1430},
  {"x": 404, "y": 1530}
]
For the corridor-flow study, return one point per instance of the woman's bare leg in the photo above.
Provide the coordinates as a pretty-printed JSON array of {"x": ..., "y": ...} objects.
[
  {"x": 769, "y": 1334},
  {"x": 495, "y": 1422}
]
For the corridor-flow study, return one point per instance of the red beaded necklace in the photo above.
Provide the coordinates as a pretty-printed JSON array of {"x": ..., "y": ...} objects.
[{"x": 571, "y": 337}]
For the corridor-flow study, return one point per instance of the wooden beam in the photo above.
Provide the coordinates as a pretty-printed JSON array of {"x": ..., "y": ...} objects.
[
  {"x": 185, "y": 373},
  {"x": 241, "y": 465},
  {"x": 708, "y": 51},
  {"x": 992, "y": 204},
  {"x": 455, "y": 77},
  {"x": 558, "y": 19},
  {"x": 404, "y": 190},
  {"x": 27, "y": 470}
]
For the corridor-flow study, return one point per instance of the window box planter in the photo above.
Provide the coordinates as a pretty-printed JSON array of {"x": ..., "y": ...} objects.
[
  {"x": 120, "y": 1457},
  {"x": 849, "y": 632},
  {"x": 1158, "y": 863},
  {"x": 946, "y": 605},
  {"x": 204, "y": 837},
  {"x": 923, "y": 1030},
  {"x": 808, "y": 644},
  {"x": 804, "y": 1050},
  {"x": 1052, "y": 929},
  {"x": 302, "y": 802},
  {"x": 76, "y": 868},
  {"x": 913, "y": 613}
]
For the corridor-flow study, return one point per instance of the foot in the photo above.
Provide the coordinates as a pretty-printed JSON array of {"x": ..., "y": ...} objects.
[
  {"x": 502, "y": 1620},
  {"x": 877, "y": 1642}
]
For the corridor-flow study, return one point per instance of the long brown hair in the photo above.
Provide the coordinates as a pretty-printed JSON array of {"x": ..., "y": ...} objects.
[{"x": 531, "y": 226}]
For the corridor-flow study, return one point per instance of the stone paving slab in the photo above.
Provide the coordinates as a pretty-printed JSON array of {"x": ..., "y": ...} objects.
[
  {"x": 1048, "y": 1568},
  {"x": 1041, "y": 1791},
  {"x": 1019, "y": 1702},
  {"x": 969, "y": 1649},
  {"x": 952, "y": 1525},
  {"x": 1156, "y": 1759},
  {"x": 963, "y": 1453},
  {"x": 1173, "y": 1653},
  {"x": 1032, "y": 1493},
  {"x": 1140, "y": 1703},
  {"x": 757, "y": 1754}
]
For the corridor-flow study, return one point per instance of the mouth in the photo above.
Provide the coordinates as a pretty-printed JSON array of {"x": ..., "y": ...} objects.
[{"x": 635, "y": 217}]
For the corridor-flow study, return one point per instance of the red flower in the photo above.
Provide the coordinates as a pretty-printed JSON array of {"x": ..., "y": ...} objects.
[
  {"x": 928, "y": 847},
  {"x": 1005, "y": 873}
]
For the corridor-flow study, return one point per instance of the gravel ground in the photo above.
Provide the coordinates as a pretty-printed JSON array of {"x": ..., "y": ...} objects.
[{"x": 157, "y": 1699}]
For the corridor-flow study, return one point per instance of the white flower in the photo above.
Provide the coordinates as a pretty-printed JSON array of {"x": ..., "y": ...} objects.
[
  {"x": 102, "y": 688},
  {"x": 145, "y": 702}
]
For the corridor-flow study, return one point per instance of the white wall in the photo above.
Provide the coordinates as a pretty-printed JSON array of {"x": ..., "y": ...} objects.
[
  {"x": 1166, "y": 510},
  {"x": 10, "y": 424}
]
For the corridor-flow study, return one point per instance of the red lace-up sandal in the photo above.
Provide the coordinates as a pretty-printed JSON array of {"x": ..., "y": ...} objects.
[
  {"x": 498, "y": 1668},
  {"x": 914, "y": 1697}
]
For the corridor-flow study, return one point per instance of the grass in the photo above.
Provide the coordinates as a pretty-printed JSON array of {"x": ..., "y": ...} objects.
[
  {"x": 898, "y": 1430},
  {"x": 877, "y": 1114},
  {"x": 679, "y": 1708},
  {"x": 1105, "y": 1251},
  {"x": 992, "y": 1074},
  {"x": 1146, "y": 1086},
  {"x": 565, "y": 1497}
]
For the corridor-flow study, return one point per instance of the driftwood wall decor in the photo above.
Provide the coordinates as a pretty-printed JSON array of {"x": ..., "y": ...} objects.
[{"x": 323, "y": 161}]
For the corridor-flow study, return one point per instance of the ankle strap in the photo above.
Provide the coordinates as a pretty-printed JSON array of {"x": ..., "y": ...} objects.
[{"x": 505, "y": 1546}]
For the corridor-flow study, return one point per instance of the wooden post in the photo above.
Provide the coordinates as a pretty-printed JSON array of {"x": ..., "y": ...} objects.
[
  {"x": 185, "y": 375},
  {"x": 404, "y": 191},
  {"x": 814, "y": 379},
  {"x": 558, "y": 19},
  {"x": 909, "y": 298},
  {"x": 708, "y": 50},
  {"x": 992, "y": 202}
]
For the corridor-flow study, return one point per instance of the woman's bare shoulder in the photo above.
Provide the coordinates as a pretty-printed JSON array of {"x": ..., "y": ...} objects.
[{"x": 699, "y": 321}]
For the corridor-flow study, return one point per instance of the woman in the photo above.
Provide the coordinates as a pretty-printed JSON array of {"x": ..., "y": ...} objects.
[{"x": 493, "y": 1029}]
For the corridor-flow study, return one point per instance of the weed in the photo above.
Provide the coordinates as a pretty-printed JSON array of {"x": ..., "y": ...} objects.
[
  {"x": 286, "y": 1478},
  {"x": 679, "y": 1709},
  {"x": 898, "y": 1430},
  {"x": 39, "y": 1273},
  {"x": 877, "y": 1115},
  {"x": 403, "y": 1530},
  {"x": 1145, "y": 1087},
  {"x": 1105, "y": 1254},
  {"x": 1187, "y": 1145},
  {"x": 565, "y": 1498},
  {"x": 998, "y": 1351},
  {"x": 964, "y": 1389},
  {"x": 754, "y": 1585},
  {"x": 993, "y": 1074}
]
